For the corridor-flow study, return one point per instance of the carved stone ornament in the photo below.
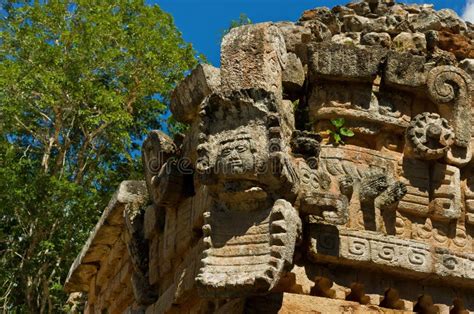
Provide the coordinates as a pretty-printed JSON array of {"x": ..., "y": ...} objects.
[
  {"x": 430, "y": 135},
  {"x": 451, "y": 88},
  {"x": 326, "y": 168},
  {"x": 242, "y": 160}
]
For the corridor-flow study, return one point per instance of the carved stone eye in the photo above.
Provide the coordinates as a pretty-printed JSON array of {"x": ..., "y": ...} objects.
[
  {"x": 241, "y": 148},
  {"x": 226, "y": 152}
]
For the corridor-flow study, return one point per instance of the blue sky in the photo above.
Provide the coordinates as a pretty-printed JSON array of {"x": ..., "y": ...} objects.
[{"x": 202, "y": 21}]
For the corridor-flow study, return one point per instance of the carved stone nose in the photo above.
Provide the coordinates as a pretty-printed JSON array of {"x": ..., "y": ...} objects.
[
  {"x": 434, "y": 131},
  {"x": 234, "y": 155}
]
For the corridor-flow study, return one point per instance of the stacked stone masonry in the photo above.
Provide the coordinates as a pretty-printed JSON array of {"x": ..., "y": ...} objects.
[{"x": 327, "y": 168}]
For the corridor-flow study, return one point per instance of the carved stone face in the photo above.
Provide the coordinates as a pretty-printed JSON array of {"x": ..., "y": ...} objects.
[{"x": 235, "y": 156}]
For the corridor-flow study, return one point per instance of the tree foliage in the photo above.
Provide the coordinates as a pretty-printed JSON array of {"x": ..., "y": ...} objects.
[{"x": 80, "y": 83}]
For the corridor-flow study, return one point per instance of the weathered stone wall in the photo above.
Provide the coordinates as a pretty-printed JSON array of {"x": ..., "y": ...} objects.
[
  {"x": 327, "y": 168},
  {"x": 104, "y": 268}
]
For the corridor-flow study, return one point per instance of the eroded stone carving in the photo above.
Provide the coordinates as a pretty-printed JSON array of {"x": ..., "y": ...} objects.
[
  {"x": 395, "y": 197},
  {"x": 430, "y": 135},
  {"x": 243, "y": 162},
  {"x": 448, "y": 85},
  {"x": 382, "y": 218}
]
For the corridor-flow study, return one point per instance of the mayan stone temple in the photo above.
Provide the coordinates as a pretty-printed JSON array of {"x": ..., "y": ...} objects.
[{"x": 327, "y": 168}]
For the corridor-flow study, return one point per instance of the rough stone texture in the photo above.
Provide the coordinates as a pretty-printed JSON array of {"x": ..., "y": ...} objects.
[
  {"x": 293, "y": 76},
  {"x": 468, "y": 66},
  {"x": 328, "y": 170},
  {"x": 411, "y": 42},
  {"x": 203, "y": 81},
  {"x": 262, "y": 67},
  {"x": 104, "y": 236},
  {"x": 295, "y": 35},
  {"x": 377, "y": 39},
  {"x": 457, "y": 44},
  {"x": 336, "y": 61},
  {"x": 349, "y": 39},
  {"x": 404, "y": 69}
]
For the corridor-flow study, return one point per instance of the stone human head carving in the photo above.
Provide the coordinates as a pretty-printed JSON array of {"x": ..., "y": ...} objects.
[
  {"x": 240, "y": 131},
  {"x": 236, "y": 155}
]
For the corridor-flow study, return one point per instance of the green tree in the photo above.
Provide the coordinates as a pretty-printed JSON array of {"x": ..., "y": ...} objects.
[{"x": 81, "y": 82}]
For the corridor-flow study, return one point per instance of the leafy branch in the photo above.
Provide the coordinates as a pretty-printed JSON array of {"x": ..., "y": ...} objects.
[{"x": 340, "y": 131}]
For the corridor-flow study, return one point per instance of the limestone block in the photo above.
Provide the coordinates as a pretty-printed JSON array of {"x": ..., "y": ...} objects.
[
  {"x": 295, "y": 35},
  {"x": 410, "y": 42},
  {"x": 188, "y": 95},
  {"x": 172, "y": 184},
  {"x": 168, "y": 243},
  {"x": 184, "y": 230},
  {"x": 404, "y": 69},
  {"x": 360, "y": 7},
  {"x": 293, "y": 75},
  {"x": 349, "y": 39},
  {"x": 340, "y": 62},
  {"x": 92, "y": 293},
  {"x": 153, "y": 221},
  {"x": 376, "y": 39},
  {"x": 107, "y": 267},
  {"x": 186, "y": 273},
  {"x": 319, "y": 31},
  {"x": 451, "y": 21},
  {"x": 253, "y": 56},
  {"x": 340, "y": 245},
  {"x": 107, "y": 235},
  {"x": 96, "y": 253},
  {"x": 126, "y": 273},
  {"x": 325, "y": 15},
  {"x": 342, "y": 10},
  {"x": 156, "y": 264},
  {"x": 356, "y": 23},
  {"x": 468, "y": 66},
  {"x": 79, "y": 280},
  {"x": 449, "y": 264},
  {"x": 425, "y": 20}
]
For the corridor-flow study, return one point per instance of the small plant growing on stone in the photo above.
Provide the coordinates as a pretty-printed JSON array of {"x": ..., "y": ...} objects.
[{"x": 340, "y": 131}]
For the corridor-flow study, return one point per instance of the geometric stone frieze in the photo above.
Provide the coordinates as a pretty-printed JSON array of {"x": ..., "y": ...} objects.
[{"x": 341, "y": 245}]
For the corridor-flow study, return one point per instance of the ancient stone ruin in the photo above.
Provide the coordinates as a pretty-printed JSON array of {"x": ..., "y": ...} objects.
[{"x": 327, "y": 168}]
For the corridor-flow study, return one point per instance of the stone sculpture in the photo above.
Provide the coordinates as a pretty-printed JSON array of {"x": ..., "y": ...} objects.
[
  {"x": 257, "y": 207},
  {"x": 249, "y": 233}
]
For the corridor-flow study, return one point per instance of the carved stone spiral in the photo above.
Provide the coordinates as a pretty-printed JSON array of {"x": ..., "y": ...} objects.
[
  {"x": 416, "y": 258},
  {"x": 445, "y": 83},
  {"x": 430, "y": 135},
  {"x": 449, "y": 84},
  {"x": 358, "y": 247},
  {"x": 387, "y": 253}
]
